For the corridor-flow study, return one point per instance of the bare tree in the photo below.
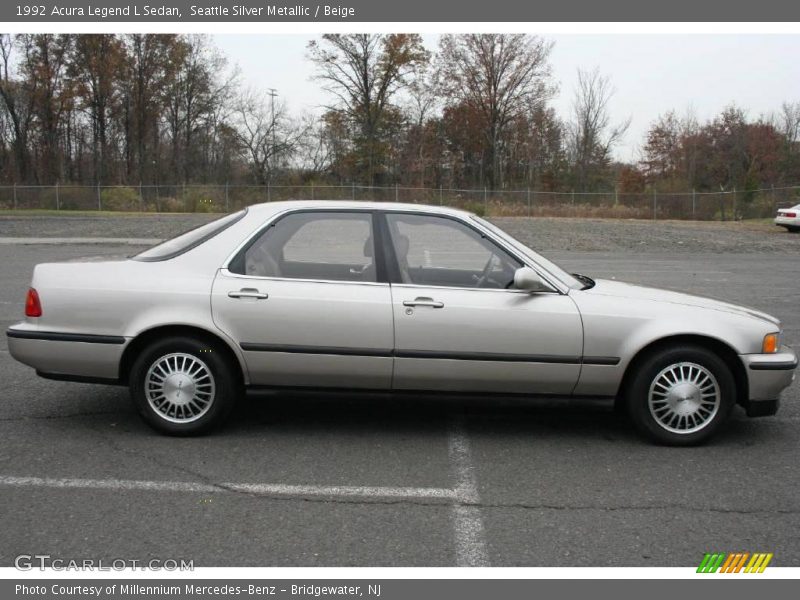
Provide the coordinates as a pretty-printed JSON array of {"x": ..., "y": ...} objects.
[
  {"x": 198, "y": 88},
  {"x": 95, "y": 63},
  {"x": 498, "y": 77},
  {"x": 153, "y": 61},
  {"x": 316, "y": 149},
  {"x": 18, "y": 98},
  {"x": 787, "y": 122},
  {"x": 364, "y": 72},
  {"x": 592, "y": 136},
  {"x": 44, "y": 62},
  {"x": 270, "y": 138},
  {"x": 422, "y": 100}
]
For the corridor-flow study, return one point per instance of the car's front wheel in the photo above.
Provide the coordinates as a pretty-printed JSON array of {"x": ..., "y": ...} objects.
[
  {"x": 681, "y": 396},
  {"x": 183, "y": 386}
]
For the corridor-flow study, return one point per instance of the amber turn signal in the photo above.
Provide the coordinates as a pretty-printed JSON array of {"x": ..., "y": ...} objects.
[{"x": 770, "y": 345}]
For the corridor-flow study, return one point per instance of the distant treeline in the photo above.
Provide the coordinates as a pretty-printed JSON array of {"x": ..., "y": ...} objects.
[{"x": 474, "y": 112}]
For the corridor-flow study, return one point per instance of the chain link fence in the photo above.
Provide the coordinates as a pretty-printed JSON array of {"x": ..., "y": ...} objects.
[{"x": 703, "y": 206}]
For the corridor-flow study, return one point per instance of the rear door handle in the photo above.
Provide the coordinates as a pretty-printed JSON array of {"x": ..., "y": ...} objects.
[
  {"x": 248, "y": 293},
  {"x": 423, "y": 301}
]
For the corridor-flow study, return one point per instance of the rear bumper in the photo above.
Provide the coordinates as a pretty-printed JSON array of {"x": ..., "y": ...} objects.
[
  {"x": 787, "y": 221},
  {"x": 769, "y": 374},
  {"x": 67, "y": 355}
]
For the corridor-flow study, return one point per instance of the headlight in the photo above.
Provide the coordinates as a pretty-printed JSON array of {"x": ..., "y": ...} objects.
[{"x": 772, "y": 341}]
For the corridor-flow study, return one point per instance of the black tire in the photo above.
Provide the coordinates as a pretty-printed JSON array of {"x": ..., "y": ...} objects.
[
  {"x": 792, "y": 229},
  {"x": 651, "y": 367},
  {"x": 218, "y": 398}
]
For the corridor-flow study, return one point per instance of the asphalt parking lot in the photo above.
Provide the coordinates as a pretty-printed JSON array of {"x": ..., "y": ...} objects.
[{"x": 307, "y": 481}]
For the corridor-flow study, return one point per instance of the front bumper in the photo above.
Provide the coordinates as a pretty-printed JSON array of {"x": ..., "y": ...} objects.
[{"x": 769, "y": 374}]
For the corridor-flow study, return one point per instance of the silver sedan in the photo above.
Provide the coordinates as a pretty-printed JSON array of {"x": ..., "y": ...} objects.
[{"x": 389, "y": 297}]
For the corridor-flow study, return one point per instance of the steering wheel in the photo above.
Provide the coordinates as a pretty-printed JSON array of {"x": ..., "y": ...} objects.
[{"x": 484, "y": 276}]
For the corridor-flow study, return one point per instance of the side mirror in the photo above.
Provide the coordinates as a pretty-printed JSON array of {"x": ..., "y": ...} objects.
[{"x": 527, "y": 279}]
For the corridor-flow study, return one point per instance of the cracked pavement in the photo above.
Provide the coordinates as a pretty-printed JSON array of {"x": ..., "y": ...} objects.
[{"x": 557, "y": 486}]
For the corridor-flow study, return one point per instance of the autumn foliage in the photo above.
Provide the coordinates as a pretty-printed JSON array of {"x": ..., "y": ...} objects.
[{"x": 476, "y": 112}]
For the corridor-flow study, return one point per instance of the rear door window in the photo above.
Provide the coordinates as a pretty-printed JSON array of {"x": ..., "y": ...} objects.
[{"x": 325, "y": 245}]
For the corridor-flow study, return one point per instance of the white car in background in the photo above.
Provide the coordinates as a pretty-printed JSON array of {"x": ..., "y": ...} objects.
[{"x": 789, "y": 218}]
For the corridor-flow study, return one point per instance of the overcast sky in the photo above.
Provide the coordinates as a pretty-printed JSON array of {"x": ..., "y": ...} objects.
[{"x": 651, "y": 73}]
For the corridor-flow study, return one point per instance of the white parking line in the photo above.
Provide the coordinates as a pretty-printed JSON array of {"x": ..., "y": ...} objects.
[
  {"x": 469, "y": 534},
  {"x": 262, "y": 489},
  {"x": 470, "y": 538}
]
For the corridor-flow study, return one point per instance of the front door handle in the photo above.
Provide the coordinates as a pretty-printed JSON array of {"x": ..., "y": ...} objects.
[
  {"x": 248, "y": 293},
  {"x": 423, "y": 301}
]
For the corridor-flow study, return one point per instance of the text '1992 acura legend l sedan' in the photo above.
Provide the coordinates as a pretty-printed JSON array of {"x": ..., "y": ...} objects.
[{"x": 389, "y": 297}]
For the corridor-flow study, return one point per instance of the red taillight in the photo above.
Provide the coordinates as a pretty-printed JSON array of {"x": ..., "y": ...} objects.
[
  {"x": 33, "y": 306},
  {"x": 788, "y": 214}
]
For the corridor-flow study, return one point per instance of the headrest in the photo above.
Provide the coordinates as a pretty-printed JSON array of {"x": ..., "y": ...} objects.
[{"x": 401, "y": 244}]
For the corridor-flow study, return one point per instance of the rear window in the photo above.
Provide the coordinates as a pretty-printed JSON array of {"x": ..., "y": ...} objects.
[{"x": 191, "y": 239}]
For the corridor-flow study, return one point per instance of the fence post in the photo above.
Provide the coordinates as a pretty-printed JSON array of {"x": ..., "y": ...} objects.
[
  {"x": 227, "y": 202},
  {"x": 485, "y": 202},
  {"x": 353, "y": 191},
  {"x": 269, "y": 192},
  {"x": 312, "y": 190},
  {"x": 734, "y": 203},
  {"x": 396, "y": 196},
  {"x": 529, "y": 203},
  {"x": 441, "y": 197},
  {"x": 184, "y": 197},
  {"x": 616, "y": 195},
  {"x": 58, "y": 199},
  {"x": 694, "y": 199},
  {"x": 573, "y": 202},
  {"x": 99, "y": 201},
  {"x": 15, "y": 195},
  {"x": 141, "y": 197}
]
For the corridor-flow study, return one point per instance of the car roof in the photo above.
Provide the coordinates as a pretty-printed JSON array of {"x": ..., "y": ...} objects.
[{"x": 266, "y": 209}]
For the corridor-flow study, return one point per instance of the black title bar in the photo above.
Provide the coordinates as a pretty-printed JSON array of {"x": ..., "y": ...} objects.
[{"x": 48, "y": 11}]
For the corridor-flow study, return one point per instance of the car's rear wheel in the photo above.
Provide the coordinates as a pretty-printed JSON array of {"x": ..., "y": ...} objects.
[
  {"x": 681, "y": 396},
  {"x": 183, "y": 386}
]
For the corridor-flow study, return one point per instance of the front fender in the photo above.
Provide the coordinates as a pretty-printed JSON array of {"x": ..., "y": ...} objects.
[{"x": 618, "y": 328}]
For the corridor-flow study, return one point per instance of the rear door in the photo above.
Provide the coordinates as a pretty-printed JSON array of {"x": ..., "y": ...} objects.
[{"x": 308, "y": 304}]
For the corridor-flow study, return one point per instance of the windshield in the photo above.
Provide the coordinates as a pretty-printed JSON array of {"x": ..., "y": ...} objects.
[
  {"x": 549, "y": 266},
  {"x": 190, "y": 239}
]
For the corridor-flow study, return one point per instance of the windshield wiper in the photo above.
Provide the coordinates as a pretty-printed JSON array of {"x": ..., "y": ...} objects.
[{"x": 588, "y": 282}]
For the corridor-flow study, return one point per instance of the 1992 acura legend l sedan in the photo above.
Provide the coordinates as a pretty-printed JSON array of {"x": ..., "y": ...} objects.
[{"x": 391, "y": 297}]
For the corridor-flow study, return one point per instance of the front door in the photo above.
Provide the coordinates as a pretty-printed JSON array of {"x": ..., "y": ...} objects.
[
  {"x": 459, "y": 325},
  {"x": 304, "y": 302}
]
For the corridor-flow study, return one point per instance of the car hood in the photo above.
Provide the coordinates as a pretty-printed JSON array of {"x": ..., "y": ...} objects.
[{"x": 637, "y": 292}]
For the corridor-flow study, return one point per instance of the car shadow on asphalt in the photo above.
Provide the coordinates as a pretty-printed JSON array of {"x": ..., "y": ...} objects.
[
  {"x": 483, "y": 415},
  {"x": 423, "y": 413}
]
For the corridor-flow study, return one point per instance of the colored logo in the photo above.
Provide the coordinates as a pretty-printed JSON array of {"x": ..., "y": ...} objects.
[{"x": 735, "y": 562}]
